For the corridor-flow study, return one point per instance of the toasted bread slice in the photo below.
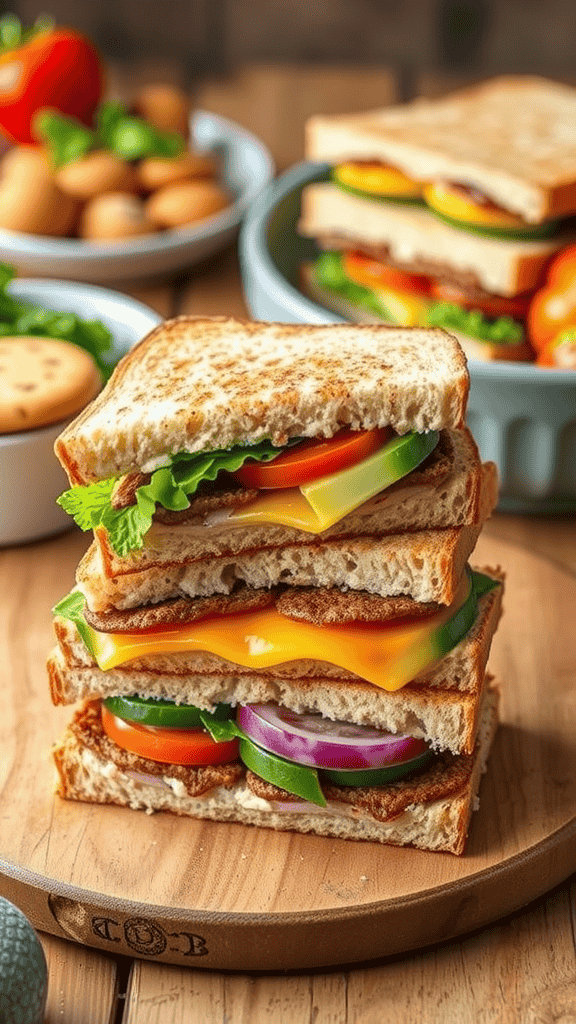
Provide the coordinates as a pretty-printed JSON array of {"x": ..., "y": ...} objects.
[
  {"x": 425, "y": 499},
  {"x": 197, "y": 385},
  {"x": 430, "y": 810},
  {"x": 426, "y": 565},
  {"x": 440, "y": 706},
  {"x": 413, "y": 236},
  {"x": 512, "y": 138}
]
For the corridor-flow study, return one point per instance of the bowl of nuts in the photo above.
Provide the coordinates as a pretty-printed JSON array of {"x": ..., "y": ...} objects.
[{"x": 146, "y": 190}]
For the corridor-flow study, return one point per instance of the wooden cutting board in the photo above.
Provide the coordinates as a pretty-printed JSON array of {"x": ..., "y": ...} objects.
[{"x": 228, "y": 896}]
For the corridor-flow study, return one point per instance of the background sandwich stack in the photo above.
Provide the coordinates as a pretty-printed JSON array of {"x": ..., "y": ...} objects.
[
  {"x": 272, "y": 630},
  {"x": 445, "y": 213}
]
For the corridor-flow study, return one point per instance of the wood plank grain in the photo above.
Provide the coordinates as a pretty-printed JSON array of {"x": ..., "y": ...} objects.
[
  {"x": 82, "y": 984},
  {"x": 554, "y": 537},
  {"x": 168, "y": 995},
  {"x": 160, "y": 296},
  {"x": 275, "y": 100},
  {"x": 521, "y": 970}
]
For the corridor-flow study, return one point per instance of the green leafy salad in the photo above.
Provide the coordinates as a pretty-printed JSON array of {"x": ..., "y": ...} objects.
[
  {"x": 330, "y": 274},
  {"x": 171, "y": 487},
  {"x": 18, "y": 317}
]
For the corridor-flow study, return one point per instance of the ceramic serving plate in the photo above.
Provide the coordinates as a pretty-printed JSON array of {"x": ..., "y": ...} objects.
[
  {"x": 31, "y": 478},
  {"x": 246, "y": 167},
  {"x": 522, "y": 416}
]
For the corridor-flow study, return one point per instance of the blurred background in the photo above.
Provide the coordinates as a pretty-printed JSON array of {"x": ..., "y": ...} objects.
[{"x": 412, "y": 47}]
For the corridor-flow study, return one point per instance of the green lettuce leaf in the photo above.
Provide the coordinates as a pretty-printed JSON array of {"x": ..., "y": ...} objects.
[
  {"x": 329, "y": 273},
  {"x": 503, "y": 331},
  {"x": 22, "y": 318},
  {"x": 171, "y": 487},
  {"x": 72, "y": 607}
]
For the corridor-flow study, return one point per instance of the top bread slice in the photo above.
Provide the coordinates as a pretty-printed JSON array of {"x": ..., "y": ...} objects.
[
  {"x": 513, "y": 138},
  {"x": 203, "y": 384}
]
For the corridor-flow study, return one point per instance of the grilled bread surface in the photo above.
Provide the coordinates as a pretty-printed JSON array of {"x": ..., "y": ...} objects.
[{"x": 197, "y": 385}]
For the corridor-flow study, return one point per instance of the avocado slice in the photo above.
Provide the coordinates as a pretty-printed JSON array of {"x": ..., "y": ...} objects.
[{"x": 334, "y": 496}]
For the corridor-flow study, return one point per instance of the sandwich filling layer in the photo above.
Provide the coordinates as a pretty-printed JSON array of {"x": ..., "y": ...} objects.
[
  {"x": 308, "y": 485},
  {"x": 388, "y": 654},
  {"x": 399, "y": 297},
  {"x": 429, "y": 808},
  {"x": 463, "y": 205}
]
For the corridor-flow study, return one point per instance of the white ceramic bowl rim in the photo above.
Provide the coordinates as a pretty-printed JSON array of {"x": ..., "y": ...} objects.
[
  {"x": 254, "y": 243},
  {"x": 25, "y": 286},
  {"x": 228, "y": 218}
]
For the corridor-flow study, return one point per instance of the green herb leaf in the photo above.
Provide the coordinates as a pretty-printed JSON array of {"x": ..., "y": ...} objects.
[
  {"x": 67, "y": 140},
  {"x": 221, "y": 731},
  {"x": 10, "y": 32},
  {"x": 132, "y": 138},
  {"x": 503, "y": 331}
]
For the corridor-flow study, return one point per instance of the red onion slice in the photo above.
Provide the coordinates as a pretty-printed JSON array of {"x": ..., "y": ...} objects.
[{"x": 310, "y": 739}]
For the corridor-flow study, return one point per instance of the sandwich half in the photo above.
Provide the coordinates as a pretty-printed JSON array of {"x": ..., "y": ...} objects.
[
  {"x": 277, "y": 607},
  {"x": 445, "y": 212}
]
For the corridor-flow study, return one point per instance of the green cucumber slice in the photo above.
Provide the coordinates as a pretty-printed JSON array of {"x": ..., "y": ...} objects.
[
  {"x": 164, "y": 713},
  {"x": 377, "y": 197},
  {"x": 376, "y": 776},
  {"x": 530, "y": 233},
  {"x": 351, "y": 487},
  {"x": 294, "y": 778}
]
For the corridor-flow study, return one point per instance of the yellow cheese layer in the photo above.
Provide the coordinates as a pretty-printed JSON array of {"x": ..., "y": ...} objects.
[
  {"x": 287, "y": 507},
  {"x": 388, "y": 655}
]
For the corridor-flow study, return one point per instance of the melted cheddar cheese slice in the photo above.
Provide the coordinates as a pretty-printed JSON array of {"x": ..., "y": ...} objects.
[{"x": 388, "y": 655}]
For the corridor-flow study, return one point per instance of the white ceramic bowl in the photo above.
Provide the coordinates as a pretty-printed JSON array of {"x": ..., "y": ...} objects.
[
  {"x": 246, "y": 167},
  {"x": 522, "y": 416},
  {"x": 31, "y": 478}
]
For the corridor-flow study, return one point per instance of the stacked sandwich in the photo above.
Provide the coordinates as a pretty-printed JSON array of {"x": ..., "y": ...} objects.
[
  {"x": 276, "y": 622},
  {"x": 445, "y": 213}
]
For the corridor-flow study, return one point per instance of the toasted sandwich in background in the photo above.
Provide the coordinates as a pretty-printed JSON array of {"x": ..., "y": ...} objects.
[
  {"x": 276, "y": 622},
  {"x": 445, "y": 212}
]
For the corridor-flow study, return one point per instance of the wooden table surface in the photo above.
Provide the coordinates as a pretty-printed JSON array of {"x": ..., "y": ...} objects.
[{"x": 522, "y": 969}]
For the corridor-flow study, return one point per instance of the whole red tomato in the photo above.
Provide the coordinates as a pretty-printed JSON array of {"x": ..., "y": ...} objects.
[
  {"x": 554, "y": 306},
  {"x": 56, "y": 68}
]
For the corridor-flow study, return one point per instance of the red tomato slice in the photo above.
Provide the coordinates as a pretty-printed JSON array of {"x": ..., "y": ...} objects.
[
  {"x": 169, "y": 746},
  {"x": 491, "y": 305},
  {"x": 373, "y": 273},
  {"x": 313, "y": 459}
]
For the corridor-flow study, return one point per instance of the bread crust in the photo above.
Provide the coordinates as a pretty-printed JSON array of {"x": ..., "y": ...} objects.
[
  {"x": 437, "y": 818},
  {"x": 441, "y": 705},
  {"x": 510, "y": 137},
  {"x": 200, "y": 384},
  {"x": 415, "y": 236}
]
